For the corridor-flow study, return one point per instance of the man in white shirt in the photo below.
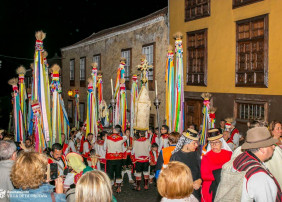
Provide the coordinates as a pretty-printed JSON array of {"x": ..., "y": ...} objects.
[{"x": 259, "y": 184}]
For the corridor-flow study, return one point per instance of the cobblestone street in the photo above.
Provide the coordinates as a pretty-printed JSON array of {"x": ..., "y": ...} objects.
[{"x": 128, "y": 195}]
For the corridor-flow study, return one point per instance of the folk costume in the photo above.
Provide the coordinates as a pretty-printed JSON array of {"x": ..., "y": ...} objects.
[
  {"x": 65, "y": 148},
  {"x": 234, "y": 133},
  {"x": 164, "y": 141},
  {"x": 114, "y": 157},
  {"x": 259, "y": 184},
  {"x": 127, "y": 163},
  {"x": 141, "y": 151},
  {"x": 191, "y": 159},
  {"x": 62, "y": 164},
  {"x": 153, "y": 138},
  {"x": 101, "y": 153},
  {"x": 86, "y": 149},
  {"x": 211, "y": 166},
  {"x": 153, "y": 162}
]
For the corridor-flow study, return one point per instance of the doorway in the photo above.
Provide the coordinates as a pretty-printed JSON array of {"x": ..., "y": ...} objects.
[{"x": 193, "y": 112}]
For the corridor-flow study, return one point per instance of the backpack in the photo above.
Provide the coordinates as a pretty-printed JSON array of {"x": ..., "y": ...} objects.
[{"x": 231, "y": 183}]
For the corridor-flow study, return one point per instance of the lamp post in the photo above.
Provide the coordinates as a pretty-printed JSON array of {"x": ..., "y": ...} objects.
[{"x": 157, "y": 103}]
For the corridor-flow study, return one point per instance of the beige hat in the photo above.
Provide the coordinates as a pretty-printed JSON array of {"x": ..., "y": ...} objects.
[
  {"x": 191, "y": 134},
  {"x": 1, "y": 131},
  {"x": 258, "y": 137},
  {"x": 214, "y": 134}
]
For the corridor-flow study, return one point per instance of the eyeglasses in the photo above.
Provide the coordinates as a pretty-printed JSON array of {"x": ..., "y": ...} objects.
[{"x": 215, "y": 143}]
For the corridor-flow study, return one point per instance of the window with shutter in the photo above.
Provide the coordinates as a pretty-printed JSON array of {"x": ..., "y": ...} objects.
[
  {"x": 197, "y": 58},
  {"x": 252, "y": 52},
  {"x": 195, "y": 9}
]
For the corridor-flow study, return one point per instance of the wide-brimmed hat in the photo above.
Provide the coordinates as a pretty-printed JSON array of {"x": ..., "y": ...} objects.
[
  {"x": 73, "y": 129},
  {"x": 191, "y": 134},
  {"x": 214, "y": 134},
  {"x": 258, "y": 137}
]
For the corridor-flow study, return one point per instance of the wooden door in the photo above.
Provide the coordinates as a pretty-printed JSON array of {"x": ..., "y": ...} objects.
[{"x": 193, "y": 113}]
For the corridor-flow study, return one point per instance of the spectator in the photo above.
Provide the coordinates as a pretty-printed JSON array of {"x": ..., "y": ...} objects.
[
  {"x": 274, "y": 164},
  {"x": 165, "y": 153},
  {"x": 29, "y": 173},
  {"x": 186, "y": 153},
  {"x": 1, "y": 134},
  {"x": 94, "y": 186},
  {"x": 221, "y": 126},
  {"x": 175, "y": 183},
  {"x": 259, "y": 184},
  {"x": 218, "y": 153},
  {"x": 8, "y": 154},
  {"x": 276, "y": 130}
]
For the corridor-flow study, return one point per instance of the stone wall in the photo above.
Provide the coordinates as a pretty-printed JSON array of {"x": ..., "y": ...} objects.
[{"x": 109, "y": 46}]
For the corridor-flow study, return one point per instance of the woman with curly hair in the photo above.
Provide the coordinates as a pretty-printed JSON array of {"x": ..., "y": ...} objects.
[{"x": 29, "y": 176}]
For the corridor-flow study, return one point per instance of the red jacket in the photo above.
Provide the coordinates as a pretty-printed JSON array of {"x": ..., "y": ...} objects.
[
  {"x": 210, "y": 162},
  {"x": 153, "y": 160}
]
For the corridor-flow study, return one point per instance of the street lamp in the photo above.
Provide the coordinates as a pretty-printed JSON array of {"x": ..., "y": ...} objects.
[{"x": 70, "y": 93}]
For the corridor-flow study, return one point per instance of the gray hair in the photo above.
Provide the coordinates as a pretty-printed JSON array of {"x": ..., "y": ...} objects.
[
  {"x": 254, "y": 150},
  {"x": 7, "y": 149}
]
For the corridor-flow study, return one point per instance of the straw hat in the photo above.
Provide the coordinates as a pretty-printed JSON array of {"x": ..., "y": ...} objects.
[
  {"x": 73, "y": 129},
  {"x": 1, "y": 131},
  {"x": 214, "y": 134},
  {"x": 191, "y": 134},
  {"x": 258, "y": 137}
]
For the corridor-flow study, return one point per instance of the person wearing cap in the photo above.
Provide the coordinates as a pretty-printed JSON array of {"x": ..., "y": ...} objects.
[
  {"x": 218, "y": 153},
  {"x": 185, "y": 152},
  {"x": 259, "y": 184}
]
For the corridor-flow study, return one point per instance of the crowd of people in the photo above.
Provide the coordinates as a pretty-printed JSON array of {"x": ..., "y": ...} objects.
[{"x": 89, "y": 167}]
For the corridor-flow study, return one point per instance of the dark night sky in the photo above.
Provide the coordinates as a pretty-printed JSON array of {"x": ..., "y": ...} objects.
[{"x": 65, "y": 22}]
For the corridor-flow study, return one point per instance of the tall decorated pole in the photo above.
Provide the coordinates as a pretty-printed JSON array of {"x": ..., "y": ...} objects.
[
  {"x": 178, "y": 124},
  {"x": 120, "y": 96},
  {"x": 76, "y": 110},
  {"x": 100, "y": 88},
  {"x": 94, "y": 75},
  {"x": 57, "y": 124},
  {"x": 40, "y": 143},
  {"x": 40, "y": 86},
  {"x": 19, "y": 131},
  {"x": 134, "y": 96},
  {"x": 206, "y": 117},
  {"x": 143, "y": 102},
  {"x": 29, "y": 113},
  {"x": 21, "y": 71},
  {"x": 212, "y": 117},
  {"x": 91, "y": 122},
  {"x": 169, "y": 79}
]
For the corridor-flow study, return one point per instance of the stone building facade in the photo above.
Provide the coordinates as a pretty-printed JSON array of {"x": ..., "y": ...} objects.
[{"x": 147, "y": 35}]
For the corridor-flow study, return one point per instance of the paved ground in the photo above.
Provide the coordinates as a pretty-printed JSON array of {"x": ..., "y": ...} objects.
[{"x": 129, "y": 195}]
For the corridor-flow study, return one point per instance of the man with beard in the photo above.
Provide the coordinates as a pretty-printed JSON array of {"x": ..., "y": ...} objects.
[{"x": 56, "y": 156}]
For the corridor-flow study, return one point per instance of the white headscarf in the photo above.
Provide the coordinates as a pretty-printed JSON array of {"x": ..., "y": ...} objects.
[{"x": 224, "y": 145}]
